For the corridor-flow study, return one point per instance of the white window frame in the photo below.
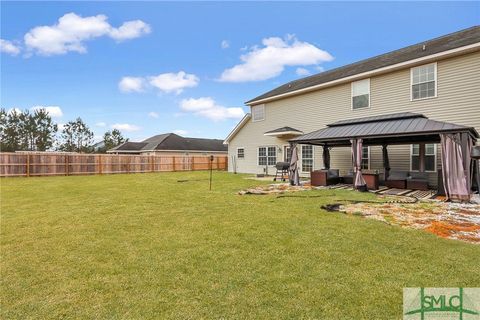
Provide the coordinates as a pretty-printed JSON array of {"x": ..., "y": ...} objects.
[
  {"x": 368, "y": 148},
  {"x": 369, "y": 95},
  {"x": 243, "y": 153},
  {"x": 420, "y": 155},
  {"x": 301, "y": 158},
  {"x": 262, "y": 106},
  {"x": 258, "y": 155},
  {"x": 435, "y": 76},
  {"x": 283, "y": 150}
]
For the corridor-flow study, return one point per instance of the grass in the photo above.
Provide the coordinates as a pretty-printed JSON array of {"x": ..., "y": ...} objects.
[{"x": 146, "y": 246}]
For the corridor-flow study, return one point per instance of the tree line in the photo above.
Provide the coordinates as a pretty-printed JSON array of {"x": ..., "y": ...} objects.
[{"x": 36, "y": 131}]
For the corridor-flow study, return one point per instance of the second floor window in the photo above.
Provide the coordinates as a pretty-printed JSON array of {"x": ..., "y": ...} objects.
[
  {"x": 361, "y": 94},
  {"x": 424, "y": 81},
  {"x": 258, "y": 113}
]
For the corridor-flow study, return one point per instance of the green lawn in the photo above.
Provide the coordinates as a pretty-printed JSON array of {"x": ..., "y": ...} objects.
[{"x": 145, "y": 246}]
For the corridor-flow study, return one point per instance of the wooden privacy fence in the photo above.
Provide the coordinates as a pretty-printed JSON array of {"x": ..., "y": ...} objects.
[{"x": 51, "y": 164}]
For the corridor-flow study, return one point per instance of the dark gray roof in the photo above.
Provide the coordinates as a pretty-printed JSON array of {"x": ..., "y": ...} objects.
[
  {"x": 172, "y": 141},
  {"x": 283, "y": 129},
  {"x": 395, "y": 128},
  {"x": 450, "y": 41}
]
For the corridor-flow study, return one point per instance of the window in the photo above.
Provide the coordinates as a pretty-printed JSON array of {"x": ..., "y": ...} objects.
[
  {"x": 258, "y": 113},
  {"x": 267, "y": 156},
  {"x": 430, "y": 157},
  {"x": 287, "y": 153},
  {"x": 366, "y": 158},
  {"x": 361, "y": 94},
  {"x": 241, "y": 153},
  {"x": 427, "y": 153},
  {"x": 424, "y": 81},
  {"x": 307, "y": 158}
]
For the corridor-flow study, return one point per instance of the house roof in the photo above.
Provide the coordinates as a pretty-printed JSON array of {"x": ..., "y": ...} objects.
[
  {"x": 397, "y": 128},
  {"x": 283, "y": 129},
  {"x": 237, "y": 128},
  {"x": 172, "y": 142},
  {"x": 423, "y": 49}
]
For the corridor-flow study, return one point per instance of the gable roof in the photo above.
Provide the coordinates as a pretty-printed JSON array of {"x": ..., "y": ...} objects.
[
  {"x": 395, "y": 128},
  {"x": 237, "y": 128},
  {"x": 423, "y": 49},
  {"x": 172, "y": 142}
]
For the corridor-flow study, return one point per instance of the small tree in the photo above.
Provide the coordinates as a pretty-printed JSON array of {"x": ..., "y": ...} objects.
[
  {"x": 11, "y": 130},
  {"x": 112, "y": 139},
  {"x": 76, "y": 136},
  {"x": 45, "y": 130}
]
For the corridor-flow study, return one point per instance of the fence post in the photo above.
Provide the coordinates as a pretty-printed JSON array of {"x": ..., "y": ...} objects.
[
  {"x": 153, "y": 163},
  {"x": 193, "y": 164},
  {"x": 67, "y": 169},
  {"x": 99, "y": 163},
  {"x": 173, "y": 159},
  {"x": 28, "y": 165},
  {"x": 218, "y": 164}
]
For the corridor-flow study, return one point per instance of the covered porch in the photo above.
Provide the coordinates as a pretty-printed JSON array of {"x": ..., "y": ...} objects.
[{"x": 457, "y": 167}]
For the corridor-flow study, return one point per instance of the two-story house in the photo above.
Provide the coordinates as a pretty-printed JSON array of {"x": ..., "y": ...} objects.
[{"x": 439, "y": 78}]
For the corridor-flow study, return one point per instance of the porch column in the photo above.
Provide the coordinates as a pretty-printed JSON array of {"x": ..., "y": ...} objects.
[
  {"x": 456, "y": 164},
  {"x": 386, "y": 161},
  {"x": 358, "y": 182},
  {"x": 326, "y": 157}
]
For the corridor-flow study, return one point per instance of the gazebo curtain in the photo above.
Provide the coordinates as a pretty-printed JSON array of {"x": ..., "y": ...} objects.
[
  {"x": 294, "y": 175},
  {"x": 326, "y": 157},
  {"x": 358, "y": 182},
  {"x": 456, "y": 165}
]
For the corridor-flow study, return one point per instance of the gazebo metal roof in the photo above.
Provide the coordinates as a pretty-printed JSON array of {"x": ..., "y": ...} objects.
[{"x": 397, "y": 128}]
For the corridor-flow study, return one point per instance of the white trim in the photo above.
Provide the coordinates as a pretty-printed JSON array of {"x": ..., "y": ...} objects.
[
  {"x": 301, "y": 157},
  {"x": 351, "y": 95},
  {"x": 284, "y": 133},
  {"x": 405, "y": 64},
  {"x": 283, "y": 150},
  {"x": 258, "y": 106},
  {"x": 236, "y": 154},
  {"x": 237, "y": 128},
  {"x": 424, "y": 154},
  {"x": 435, "y": 79},
  {"x": 276, "y": 155}
]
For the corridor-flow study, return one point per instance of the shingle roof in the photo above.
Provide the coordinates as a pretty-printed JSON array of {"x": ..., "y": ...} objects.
[
  {"x": 283, "y": 129},
  {"x": 172, "y": 141},
  {"x": 450, "y": 41},
  {"x": 392, "y": 126}
]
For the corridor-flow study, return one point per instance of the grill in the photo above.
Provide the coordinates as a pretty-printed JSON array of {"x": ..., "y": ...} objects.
[{"x": 282, "y": 169}]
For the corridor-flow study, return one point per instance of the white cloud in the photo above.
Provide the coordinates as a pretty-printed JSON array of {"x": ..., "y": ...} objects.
[
  {"x": 153, "y": 115},
  {"x": 8, "y": 47},
  {"x": 270, "y": 60},
  {"x": 130, "y": 30},
  {"x": 174, "y": 82},
  {"x": 125, "y": 127},
  {"x": 302, "y": 72},
  {"x": 180, "y": 132},
  {"x": 225, "y": 44},
  {"x": 53, "y": 111},
  {"x": 165, "y": 82},
  {"x": 208, "y": 108},
  {"x": 72, "y": 30},
  {"x": 131, "y": 84},
  {"x": 101, "y": 124}
]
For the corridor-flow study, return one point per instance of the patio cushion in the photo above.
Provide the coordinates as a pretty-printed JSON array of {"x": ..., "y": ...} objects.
[
  {"x": 333, "y": 173},
  {"x": 415, "y": 175},
  {"x": 398, "y": 175}
]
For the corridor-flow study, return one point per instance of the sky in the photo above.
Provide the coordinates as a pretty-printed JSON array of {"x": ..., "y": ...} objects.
[{"x": 188, "y": 67}]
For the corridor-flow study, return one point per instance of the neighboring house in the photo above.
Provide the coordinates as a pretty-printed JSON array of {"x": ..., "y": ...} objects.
[
  {"x": 99, "y": 146},
  {"x": 439, "y": 78},
  {"x": 172, "y": 144}
]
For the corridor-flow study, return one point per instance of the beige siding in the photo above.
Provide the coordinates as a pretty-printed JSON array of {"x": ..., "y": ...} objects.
[{"x": 457, "y": 101}]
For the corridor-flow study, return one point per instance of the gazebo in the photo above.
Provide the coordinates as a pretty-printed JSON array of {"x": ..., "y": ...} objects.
[{"x": 396, "y": 129}]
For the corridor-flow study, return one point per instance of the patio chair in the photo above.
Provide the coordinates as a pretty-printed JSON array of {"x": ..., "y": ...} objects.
[
  {"x": 417, "y": 180},
  {"x": 397, "y": 179},
  {"x": 325, "y": 177},
  {"x": 348, "y": 178}
]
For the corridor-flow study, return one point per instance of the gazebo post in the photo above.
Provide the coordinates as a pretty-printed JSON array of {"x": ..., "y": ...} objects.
[
  {"x": 386, "y": 161},
  {"x": 326, "y": 157}
]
